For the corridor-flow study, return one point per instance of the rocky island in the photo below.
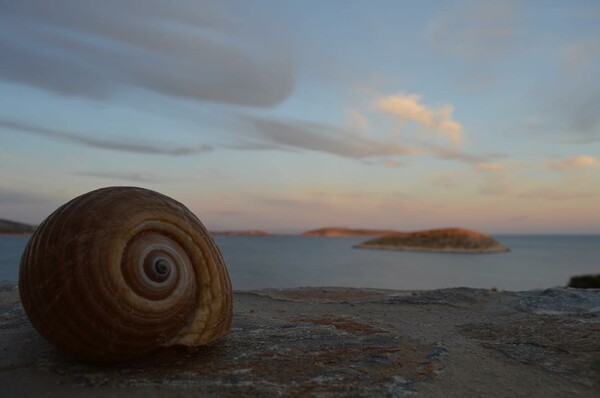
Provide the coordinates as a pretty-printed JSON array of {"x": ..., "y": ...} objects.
[
  {"x": 449, "y": 240},
  {"x": 337, "y": 232},
  {"x": 15, "y": 228}
]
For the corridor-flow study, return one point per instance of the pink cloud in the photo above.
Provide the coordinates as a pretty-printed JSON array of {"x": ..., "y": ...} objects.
[{"x": 407, "y": 108}]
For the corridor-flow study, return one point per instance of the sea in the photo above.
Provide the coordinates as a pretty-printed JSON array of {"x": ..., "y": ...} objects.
[{"x": 534, "y": 262}]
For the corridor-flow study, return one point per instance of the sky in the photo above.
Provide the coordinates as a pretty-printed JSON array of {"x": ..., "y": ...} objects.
[{"x": 288, "y": 116}]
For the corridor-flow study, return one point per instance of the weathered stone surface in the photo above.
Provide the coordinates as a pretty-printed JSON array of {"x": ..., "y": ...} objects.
[
  {"x": 330, "y": 342},
  {"x": 561, "y": 302},
  {"x": 7, "y": 286}
]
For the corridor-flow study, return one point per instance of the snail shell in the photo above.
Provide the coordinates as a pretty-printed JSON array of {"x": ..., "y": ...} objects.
[{"x": 120, "y": 271}]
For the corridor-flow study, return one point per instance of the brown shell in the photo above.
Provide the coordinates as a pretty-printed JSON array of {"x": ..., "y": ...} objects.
[{"x": 120, "y": 271}]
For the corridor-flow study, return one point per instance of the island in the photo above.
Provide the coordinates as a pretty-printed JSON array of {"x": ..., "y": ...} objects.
[
  {"x": 448, "y": 240},
  {"x": 339, "y": 232},
  {"x": 8, "y": 227},
  {"x": 252, "y": 232}
]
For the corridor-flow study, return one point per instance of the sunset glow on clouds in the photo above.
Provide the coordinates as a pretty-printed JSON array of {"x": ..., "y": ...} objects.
[
  {"x": 407, "y": 108},
  {"x": 582, "y": 161},
  {"x": 293, "y": 115}
]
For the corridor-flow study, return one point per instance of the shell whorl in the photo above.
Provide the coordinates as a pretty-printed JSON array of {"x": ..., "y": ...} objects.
[{"x": 120, "y": 271}]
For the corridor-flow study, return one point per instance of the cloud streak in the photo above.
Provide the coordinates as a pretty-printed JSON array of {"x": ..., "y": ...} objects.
[
  {"x": 581, "y": 55},
  {"x": 494, "y": 179},
  {"x": 261, "y": 133},
  {"x": 577, "y": 162},
  {"x": 145, "y": 178},
  {"x": 445, "y": 180},
  {"x": 569, "y": 99},
  {"x": 322, "y": 138},
  {"x": 490, "y": 167},
  {"x": 475, "y": 30},
  {"x": 461, "y": 156},
  {"x": 135, "y": 177},
  {"x": 11, "y": 196},
  {"x": 139, "y": 148},
  {"x": 179, "y": 48},
  {"x": 570, "y": 108},
  {"x": 407, "y": 108},
  {"x": 557, "y": 195}
]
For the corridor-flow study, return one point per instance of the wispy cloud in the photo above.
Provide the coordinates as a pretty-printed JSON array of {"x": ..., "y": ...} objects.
[
  {"x": 249, "y": 144},
  {"x": 135, "y": 177},
  {"x": 568, "y": 101},
  {"x": 407, "y": 108},
  {"x": 263, "y": 133},
  {"x": 574, "y": 109},
  {"x": 139, "y": 177},
  {"x": 229, "y": 213},
  {"x": 138, "y": 147},
  {"x": 13, "y": 196},
  {"x": 577, "y": 162},
  {"x": 358, "y": 120},
  {"x": 178, "y": 48},
  {"x": 581, "y": 55},
  {"x": 393, "y": 164},
  {"x": 26, "y": 202},
  {"x": 476, "y": 30},
  {"x": 332, "y": 195},
  {"x": 490, "y": 167},
  {"x": 297, "y": 204},
  {"x": 518, "y": 219},
  {"x": 478, "y": 33},
  {"x": 460, "y": 155},
  {"x": 557, "y": 194},
  {"x": 447, "y": 180},
  {"x": 322, "y": 138},
  {"x": 495, "y": 179}
]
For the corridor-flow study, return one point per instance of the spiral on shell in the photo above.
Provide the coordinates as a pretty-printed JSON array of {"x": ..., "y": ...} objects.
[{"x": 118, "y": 272}]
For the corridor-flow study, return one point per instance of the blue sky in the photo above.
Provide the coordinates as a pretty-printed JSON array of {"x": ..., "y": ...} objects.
[{"x": 287, "y": 115}]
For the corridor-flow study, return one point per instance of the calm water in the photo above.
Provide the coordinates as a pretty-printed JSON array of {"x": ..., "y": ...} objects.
[{"x": 290, "y": 261}]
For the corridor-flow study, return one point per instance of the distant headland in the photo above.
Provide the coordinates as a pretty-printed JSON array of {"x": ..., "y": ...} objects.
[
  {"x": 338, "y": 232},
  {"x": 448, "y": 240},
  {"x": 8, "y": 227}
]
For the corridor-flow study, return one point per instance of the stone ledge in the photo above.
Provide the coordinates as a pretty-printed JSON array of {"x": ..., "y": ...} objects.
[{"x": 331, "y": 342}]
